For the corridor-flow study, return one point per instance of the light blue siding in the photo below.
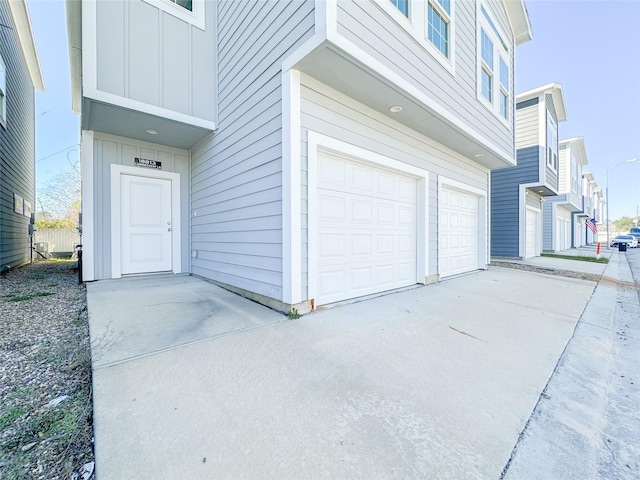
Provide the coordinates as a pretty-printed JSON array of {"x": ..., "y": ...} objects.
[
  {"x": 505, "y": 201},
  {"x": 148, "y": 55},
  {"x": 236, "y": 199},
  {"x": 17, "y": 147},
  {"x": 369, "y": 27},
  {"x": 335, "y": 115}
]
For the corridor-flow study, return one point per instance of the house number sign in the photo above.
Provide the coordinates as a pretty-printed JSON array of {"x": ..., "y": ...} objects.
[{"x": 145, "y": 162}]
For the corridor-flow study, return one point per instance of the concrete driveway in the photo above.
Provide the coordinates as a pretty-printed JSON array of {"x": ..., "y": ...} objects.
[{"x": 192, "y": 381}]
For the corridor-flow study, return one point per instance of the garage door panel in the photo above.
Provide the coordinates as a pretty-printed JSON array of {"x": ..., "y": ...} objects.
[
  {"x": 371, "y": 243},
  {"x": 459, "y": 232}
]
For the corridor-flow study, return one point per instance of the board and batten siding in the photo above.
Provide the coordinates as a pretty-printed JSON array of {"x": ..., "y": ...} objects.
[
  {"x": 236, "y": 196},
  {"x": 17, "y": 147},
  {"x": 112, "y": 150},
  {"x": 148, "y": 55},
  {"x": 331, "y": 113},
  {"x": 368, "y": 26},
  {"x": 527, "y": 124}
]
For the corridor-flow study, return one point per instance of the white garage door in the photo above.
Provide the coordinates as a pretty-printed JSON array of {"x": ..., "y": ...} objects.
[
  {"x": 366, "y": 240},
  {"x": 531, "y": 247},
  {"x": 458, "y": 246}
]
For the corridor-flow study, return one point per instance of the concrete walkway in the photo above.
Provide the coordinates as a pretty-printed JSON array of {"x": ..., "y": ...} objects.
[{"x": 191, "y": 381}]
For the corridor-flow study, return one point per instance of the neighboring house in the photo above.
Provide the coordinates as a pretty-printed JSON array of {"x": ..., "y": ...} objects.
[
  {"x": 562, "y": 218},
  {"x": 298, "y": 153},
  {"x": 517, "y": 193},
  {"x": 20, "y": 75},
  {"x": 590, "y": 210}
]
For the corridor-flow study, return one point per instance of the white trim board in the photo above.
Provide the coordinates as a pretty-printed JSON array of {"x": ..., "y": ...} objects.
[
  {"x": 317, "y": 142},
  {"x": 88, "y": 213},
  {"x": 116, "y": 253}
]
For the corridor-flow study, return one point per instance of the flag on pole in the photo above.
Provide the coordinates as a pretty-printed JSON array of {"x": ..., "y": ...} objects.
[{"x": 591, "y": 225}]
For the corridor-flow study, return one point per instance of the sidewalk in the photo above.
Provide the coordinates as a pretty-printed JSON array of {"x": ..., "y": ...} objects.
[
  {"x": 191, "y": 381},
  {"x": 587, "y": 422}
]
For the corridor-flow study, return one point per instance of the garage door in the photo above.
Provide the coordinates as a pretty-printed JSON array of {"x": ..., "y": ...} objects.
[
  {"x": 366, "y": 231},
  {"x": 458, "y": 246},
  {"x": 531, "y": 248}
]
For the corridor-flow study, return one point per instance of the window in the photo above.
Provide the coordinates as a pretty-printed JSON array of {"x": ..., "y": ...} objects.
[
  {"x": 438, "y": 19},
  {"x": 552, "y": 143},
  {"x": 430, "y": 22},
  {"x": 3, "y": 93},
  {"x": 494, "y": 76},
  {"x": 191, "y": 11},
  {"x": 184, "y": 4},
  {"x": 575, "y": 185},
  {"x": 403, "y": 6}
]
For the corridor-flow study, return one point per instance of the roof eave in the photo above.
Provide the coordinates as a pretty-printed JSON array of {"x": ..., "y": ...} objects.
[
  {"x": 519, "y": 19},
  {"x": 22, "y": 21},
  {"x": 74, "y": 37}
]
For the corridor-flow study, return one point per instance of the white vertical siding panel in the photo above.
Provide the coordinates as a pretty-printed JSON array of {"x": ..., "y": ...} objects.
[
  {"x": 144, "y": 53},
  {"x": 175, "y": 64},
  {"x": 110, "y": 55}
]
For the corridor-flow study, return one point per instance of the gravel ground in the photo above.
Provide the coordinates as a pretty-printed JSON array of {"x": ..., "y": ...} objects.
[{"x": 46, "y": 429}]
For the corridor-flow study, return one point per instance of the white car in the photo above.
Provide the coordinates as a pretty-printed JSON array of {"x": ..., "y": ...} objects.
[{"x": 631, "y": 241}]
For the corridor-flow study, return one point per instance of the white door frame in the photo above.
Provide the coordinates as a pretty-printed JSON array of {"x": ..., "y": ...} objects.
[
  {"x": 317, "y": 142},
  {"x": 116, "y": 250},
  {"x": 483, "y": 218},
  {"x": 538, "y": 243}
]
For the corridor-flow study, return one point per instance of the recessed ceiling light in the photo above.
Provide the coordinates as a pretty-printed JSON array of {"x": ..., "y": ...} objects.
[
  {"x": 540, "y": 191},
  {"x": 151, "y": 131},
  {"x": 395, "y": 109},
  {"x": 479, "y": 155}
]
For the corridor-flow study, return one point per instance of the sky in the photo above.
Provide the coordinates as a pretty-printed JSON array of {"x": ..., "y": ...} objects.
[{"x": 590, "y": 47}]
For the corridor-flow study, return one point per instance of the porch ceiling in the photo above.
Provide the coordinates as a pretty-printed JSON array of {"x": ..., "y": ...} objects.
[
  {"x": 344, "y": 73},
  {"x": 116, "y": 120}
]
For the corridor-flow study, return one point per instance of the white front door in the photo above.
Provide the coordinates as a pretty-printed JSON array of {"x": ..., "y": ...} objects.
[
  {"x": 145, "y": 224},
  {"x": 531, "y": 235}
]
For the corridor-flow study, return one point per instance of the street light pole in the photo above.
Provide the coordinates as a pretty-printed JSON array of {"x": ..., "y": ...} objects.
[{"x": 607, "y": 192}]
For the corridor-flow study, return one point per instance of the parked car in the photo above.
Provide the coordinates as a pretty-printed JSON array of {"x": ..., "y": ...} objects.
[
  {"x": 635, "y": 235},
  {"x": 634, "y": 230},
  {"x": 631, "y": 241}
]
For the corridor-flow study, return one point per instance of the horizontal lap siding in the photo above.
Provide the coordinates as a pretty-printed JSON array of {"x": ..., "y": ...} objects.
[
  {"x": 236, "y": 196},
  {"x": 367, "y": 26},
  {"x": 335, "y": 115},
  {"x": 528, "y": 127},
  {"x": 549, "y": 226},
  {"x": 17, "y": 148}
]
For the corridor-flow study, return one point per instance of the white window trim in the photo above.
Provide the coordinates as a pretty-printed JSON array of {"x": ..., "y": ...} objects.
[
  {"x": 549, "y": 119},
  {"x": 417, "y": 24},
  {"x": 3, "y": 93},
  {"x": 194, "y": 17},
  {"x": 498, "y": 53}
]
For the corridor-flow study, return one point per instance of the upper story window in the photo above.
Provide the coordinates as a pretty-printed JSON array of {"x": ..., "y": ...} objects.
[
  {"x": 403, "y": 6},
  {"x": 494, "y": 76},
  {"x": 438, "y": 20},
  {"x": 430, "y": 22},
  {"x": 3, "y": 93},
  {"x": 191, "y": 11},
  {"x": 552, "y": 143}
]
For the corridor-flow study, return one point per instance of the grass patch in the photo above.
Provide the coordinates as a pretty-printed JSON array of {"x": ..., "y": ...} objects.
[
  {"x": 22, "y": 298},
  {"x": 579, "y": 258},
  {"x": 11, "y": 416}
]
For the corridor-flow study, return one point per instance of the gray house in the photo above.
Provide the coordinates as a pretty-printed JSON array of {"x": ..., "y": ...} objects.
[
  {"x": 296, "y": 152},
  {"x": 517, "y": 193},
  {"x": 562, "y": 215},
  {"x": 20, "y": 75}
]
